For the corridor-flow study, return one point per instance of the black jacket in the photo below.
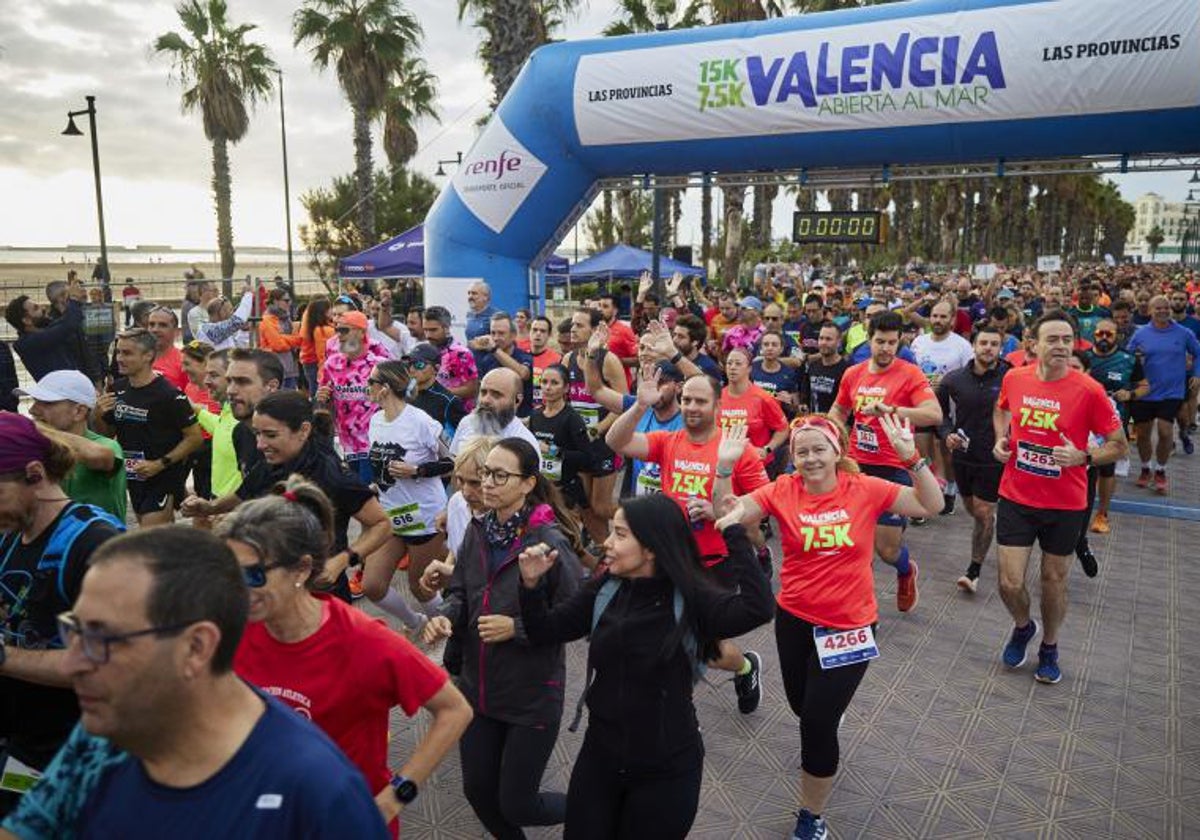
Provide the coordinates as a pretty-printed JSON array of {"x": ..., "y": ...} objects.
[
  {"x": 518, "y": 681},
  {"x": 973, "y": 398},
  {"x": 639, "y": 707},
  {"x": 55, "y": 347}
]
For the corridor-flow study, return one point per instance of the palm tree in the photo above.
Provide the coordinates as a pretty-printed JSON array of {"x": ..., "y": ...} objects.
[
  {"x": 513, "y": 30},
  {"x": 1154, "y": 239},
  {"x": 223, "y": 75},
  {"x": 411, "y": 99},
  {"x": 371, "y": 44}
]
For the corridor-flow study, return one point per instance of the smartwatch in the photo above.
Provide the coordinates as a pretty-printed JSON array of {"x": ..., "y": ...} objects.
[
  {"x": 406, "y": 789},
  {"x": 353, "y": 558}
]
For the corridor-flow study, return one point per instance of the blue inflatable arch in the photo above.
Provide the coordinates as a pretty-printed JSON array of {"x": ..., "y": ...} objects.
[{"x": 930, "y": 81}]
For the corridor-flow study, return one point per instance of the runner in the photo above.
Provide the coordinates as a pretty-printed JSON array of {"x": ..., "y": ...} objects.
[
  {"x": 968, "y": 399},
  {"x": 543, "y": 354},
  {"x": 651, "y": 622},
  {"x": 886, "y": 385},
  {"x": 826, "y": 615},
  {"x": 823, "y": 372},
  {"x": 777, "y": 379},
  {"x": 687, "y": 461},
  {"x": 408, "y": 456},
  {"x": 745, "y": 404},
  {"x": 1043, "y": 417},
  {"x": 563, "y": 442},
  {"x": 688, "y": 336},
  {"x": 429, "y": 395},
  {"x": 163, "y": 324},
  {"x": 498, "y": 349},
  {"x": 344, "y": 392}
]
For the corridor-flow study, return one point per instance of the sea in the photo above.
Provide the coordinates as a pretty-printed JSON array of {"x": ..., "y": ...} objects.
[{"x": 141, "y": 254}]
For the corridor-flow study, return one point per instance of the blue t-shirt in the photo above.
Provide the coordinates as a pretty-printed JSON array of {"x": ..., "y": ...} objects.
[
  {"x": 863, "y": 352},
  {"x": 785, "y": 379},
  {"x": 708, "y": 366},
  {"x": 1164, "y": 358},
  {"x": 1192, "y": 323},
  {"x": 645, "y": 477},
  {"x": 288, "y": 780},
  {"x": 480, "y": 323}
]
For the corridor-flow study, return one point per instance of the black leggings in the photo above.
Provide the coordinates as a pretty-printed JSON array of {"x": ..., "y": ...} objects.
[
  {"x": 1093, "y": 480},
  {"x": 818, "y": 697},
  {"x": 502, "y": 766},
  {"x": 604, "y": 803}
]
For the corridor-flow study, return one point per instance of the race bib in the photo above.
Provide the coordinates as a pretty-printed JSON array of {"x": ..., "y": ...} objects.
[
  {"x": 552, "y": 468},
  {"x": 132, "y": 458},
  {"x": 836, "y": 648},
  {"x": 648, "y": 481},
  {"x": 17, "y": 777},
  {"x": 589, "y": 413},
  {"x": 1037, "y": 460},
  {"x": 865, "y": 438},
  {"x": 406, "y": 519}
]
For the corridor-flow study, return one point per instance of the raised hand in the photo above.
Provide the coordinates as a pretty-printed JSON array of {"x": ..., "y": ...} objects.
[
  {"x": 599, "y": 339},
  {"x": 674, "y": 283},
  {"x": 647, "y": 390},
  {"x": 645, "y": 284},
  {"x": 900, "y": 433},
  {"x": 535, "y": 561},
  {"x": 732, "y": 445},
  {"x": 660, "y": 340}
]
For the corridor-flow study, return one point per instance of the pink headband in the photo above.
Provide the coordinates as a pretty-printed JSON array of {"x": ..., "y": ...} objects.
[{"x": 818, "y": 426}]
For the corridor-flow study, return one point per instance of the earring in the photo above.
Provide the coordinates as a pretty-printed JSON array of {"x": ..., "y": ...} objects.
[{"x": 299, "y": 583}]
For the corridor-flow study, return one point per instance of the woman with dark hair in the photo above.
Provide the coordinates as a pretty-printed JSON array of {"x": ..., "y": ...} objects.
[
  {"x": 316, "y": 328},
  {"x": 562, "y": 436},
  {"x": 653, "y": 620},
  {"x": 745, "y": 404},
  {"x": 514, "y": 684},
  {"x": 826, "y": 614},
  {"x": 407, "y": 457},
  {"x": 521, "y": 321}
]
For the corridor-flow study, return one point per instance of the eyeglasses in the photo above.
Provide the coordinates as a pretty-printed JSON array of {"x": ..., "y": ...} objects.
[
  {"x": 497, "y": 477},
  {"x": 342, "y": 330},
  {"x": 256, "y": 576},
  {"x": 95, "y": 643}
]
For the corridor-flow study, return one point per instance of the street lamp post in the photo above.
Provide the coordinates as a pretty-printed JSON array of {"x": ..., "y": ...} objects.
[
  {"x": 441, "y": 172},
  {"x": 73, "y": 131},
  {"x": 287, "y": 200}
]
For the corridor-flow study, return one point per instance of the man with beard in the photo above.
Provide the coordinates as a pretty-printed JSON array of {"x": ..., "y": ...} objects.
[
  {"x": 1085, "y": 311},
  {"x": 275, "y": 334},
  {"x": 168, "y": 360},
  {"x": 457, "y": 370},
  {"x": 43, "y": 344},
  {"x": 45, "y": 542},
  {"x": 88, "y": 356},
  {"x": 226, "y": 475},
  {"x": 496, "y": 413},
  {"x": 1187, "y": 411},
  {"x": 688, "y": 336},
  {"x": 1042, "y": 422},
  {"x": 543, "y": 354},
  {"x": 823, "y": 373},
  {"x": 968, "y": 398},
  {"x": 155, "y": 426},
  {"x": 343, "y": 391},
  {"x": 886, "y": 384}
]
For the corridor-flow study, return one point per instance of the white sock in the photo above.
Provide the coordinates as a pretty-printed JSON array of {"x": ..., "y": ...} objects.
[
  {"x": 393, "y": 603},
  {"x": 431, "y": 607}
]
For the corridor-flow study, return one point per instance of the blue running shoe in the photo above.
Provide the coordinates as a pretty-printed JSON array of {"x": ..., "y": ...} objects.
[
  {"x": 1014, "y": 651},
  {"x": 1047, "y": 670},
  {"x": 809, "y": 827},
  {"x": 1188, "y": 446}
]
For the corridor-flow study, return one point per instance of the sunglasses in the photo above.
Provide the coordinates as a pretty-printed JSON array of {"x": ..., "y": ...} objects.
[
  {"x": 1105, "y": 333},
  {"x": 342, "y": 330},
  {"x": 256, "y": 576},
  {"x": 418, "y": 364}
]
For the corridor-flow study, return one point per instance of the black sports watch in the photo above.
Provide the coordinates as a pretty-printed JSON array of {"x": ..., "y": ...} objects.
[{"x": 405, "y": 788}]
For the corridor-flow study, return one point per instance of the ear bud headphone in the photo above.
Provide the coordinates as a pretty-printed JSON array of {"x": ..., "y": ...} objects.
[{"x": 31, "y": 479}]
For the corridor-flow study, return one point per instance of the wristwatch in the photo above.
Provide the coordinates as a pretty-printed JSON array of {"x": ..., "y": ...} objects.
[
  {"x": 405, "y": 788},
  {"x": 353, "y": 558},
  {"x": 675, "y": 359},
  {"x": 1088, "y": 457}
]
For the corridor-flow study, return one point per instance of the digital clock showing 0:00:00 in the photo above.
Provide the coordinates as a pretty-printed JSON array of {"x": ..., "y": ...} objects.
[{"x": 839, "y": 227}]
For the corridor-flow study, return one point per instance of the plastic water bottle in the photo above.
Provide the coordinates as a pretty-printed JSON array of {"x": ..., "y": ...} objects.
[{"x": 697, "y": 524}]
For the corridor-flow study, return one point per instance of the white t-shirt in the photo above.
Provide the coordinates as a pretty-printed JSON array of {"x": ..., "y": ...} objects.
[
  {"x": 937, "y": 358},
  {"x": 396, "y": 349},
  {"x": 469, "y": 428},
  {"x": 458, "y": 518},
  {"x": 415, "y": 438}
]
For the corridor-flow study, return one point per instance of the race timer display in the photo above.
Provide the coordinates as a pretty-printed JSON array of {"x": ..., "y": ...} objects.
[{"x": 839, "y": 227}]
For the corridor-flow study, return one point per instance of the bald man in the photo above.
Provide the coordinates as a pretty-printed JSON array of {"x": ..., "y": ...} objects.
[{"x": 495, "y": 414}]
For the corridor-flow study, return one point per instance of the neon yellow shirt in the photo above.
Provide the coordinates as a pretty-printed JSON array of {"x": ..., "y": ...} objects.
[{"x": 226, "y": 477}]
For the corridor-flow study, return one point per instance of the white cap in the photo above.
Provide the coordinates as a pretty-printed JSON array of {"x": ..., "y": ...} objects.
[{"x": 62, "y": 385}]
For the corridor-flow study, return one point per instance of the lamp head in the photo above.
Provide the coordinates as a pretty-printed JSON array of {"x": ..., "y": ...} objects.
[
  {"x": 1195, "y": 179},
  {"x": 441, "y": 173},
  {"x": 72, "y": 130}
]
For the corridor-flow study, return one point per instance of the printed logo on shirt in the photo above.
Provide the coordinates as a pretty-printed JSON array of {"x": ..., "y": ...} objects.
[
  {"x": 690, "y": 478},
  {"x": 300, "y": 703},
  {"x": 269, "y": 802},
  {"x": 827, "y": 529},
  {"x": 125, "y": 413},
  {"x": 1039, "y": 413},
  {"x": 732, "y": 417},
  {"x": 867, "y": 395}
]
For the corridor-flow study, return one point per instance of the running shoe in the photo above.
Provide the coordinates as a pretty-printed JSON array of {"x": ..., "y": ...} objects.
[
  {"x": 906, "y": 589},
  {"x": 1087, "y": 559},
  {"x": 1160, "y": 482},
  {"x": 809, "y": 827},
  {"x": 1047, "y": 670},
  {"x": 355, "y": 578},
  {"x": 969, "y": 582},
  {"x": 947, "y": 505},
  {"x": 1188, "y": 446},
  {"x": 1014, "y": 651},
  {"x": 1144, "y": 477},
  {"x": 749, "y": 686},
  {"x": 1100, "y": 524},
  {"x": 402, "y": 563},
  {"x": 917, "y": 521}
]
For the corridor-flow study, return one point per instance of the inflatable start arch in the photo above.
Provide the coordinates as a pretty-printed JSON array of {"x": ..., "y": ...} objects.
[{"x": 930, "y": 81}]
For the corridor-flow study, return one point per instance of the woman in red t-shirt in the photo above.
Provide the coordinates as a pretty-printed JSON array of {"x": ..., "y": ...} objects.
[
  {"x": 333, "y": 664},
  {"x": 745, "y": 404},
  {"x": 826, "y": 613}
]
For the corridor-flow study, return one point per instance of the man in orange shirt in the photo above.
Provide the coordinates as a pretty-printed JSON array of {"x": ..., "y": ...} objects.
[
  {"x": 163, "y": 324},
  {"x": 621, "y": 340},
  {"x": 1043, "y": 418},
  {"x": 275, "y": 333},
  {"x": 543, "y": 354},
  {"x": 884, "y": 384}
]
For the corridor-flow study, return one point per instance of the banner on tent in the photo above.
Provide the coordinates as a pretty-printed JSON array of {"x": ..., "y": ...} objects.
[{"x": 1064, "y": 58}]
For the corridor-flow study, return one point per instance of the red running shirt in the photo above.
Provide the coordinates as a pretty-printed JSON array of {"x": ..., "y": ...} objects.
[
  {"x": 900, "y": 384},
  {"x": 690, "y": 469},
  {"x": 828, "y": 546},
  {"x": 1042, "y": 413},
  {"x": 345, "y": 678},
  {"x": 755, "y": 409}
]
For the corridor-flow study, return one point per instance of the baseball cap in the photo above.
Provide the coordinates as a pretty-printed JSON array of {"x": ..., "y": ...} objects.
[
  {"x": 20, "y": 442},
  {"x": 354, "y": 320},
  {"x": 424, "y": 352},
  {"x": 667, "y": 370},
  {"x": 750, "y": 302},
  {"x": 61, "y": 385},
  {"x": 818, "y": 284},
  {"x": 1005, "y": 294}
]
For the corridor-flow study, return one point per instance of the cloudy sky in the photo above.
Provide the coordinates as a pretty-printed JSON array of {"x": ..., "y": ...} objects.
[{"x": 155, "y": 160}]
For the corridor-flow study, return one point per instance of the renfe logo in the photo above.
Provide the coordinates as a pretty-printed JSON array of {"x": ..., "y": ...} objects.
[{"x": 507, "y": 162}]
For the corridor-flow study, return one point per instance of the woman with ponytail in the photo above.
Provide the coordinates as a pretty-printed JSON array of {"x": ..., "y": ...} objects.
[
  {"x": 514, "y": 684},
  {"x": 333, "y": 664},
  {"x": 407, "y": 456}
]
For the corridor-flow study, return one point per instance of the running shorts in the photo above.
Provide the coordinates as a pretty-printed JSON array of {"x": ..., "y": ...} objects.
[
  {"x": 1143, "y": 411},
  {"x": 896, "y": 475},
  {"x": 978, "y": 481},
  {"x": 1056, "y": 531}
]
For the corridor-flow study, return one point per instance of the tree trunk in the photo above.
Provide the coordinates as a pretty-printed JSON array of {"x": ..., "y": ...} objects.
[
  {"x": 363, "y": 185},
  {"x": 706, "y": 202},
  {"x": 628, "y": 210},
  {"x": 222, "y": 195},
  {"x": 735, "y": 198}
]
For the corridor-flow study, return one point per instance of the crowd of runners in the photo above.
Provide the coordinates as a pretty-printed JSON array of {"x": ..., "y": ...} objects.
[{"x": 190, "y": 519}]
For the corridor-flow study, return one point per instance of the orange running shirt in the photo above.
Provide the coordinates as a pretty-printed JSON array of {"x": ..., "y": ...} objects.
[
  {"x": 1042, "y": 413},
  {"x": 828, "y": 545},
  {"x": 900, "y": 384},
  {"x": 755, "y": 409},
  {"x": 690, "y": 469}
]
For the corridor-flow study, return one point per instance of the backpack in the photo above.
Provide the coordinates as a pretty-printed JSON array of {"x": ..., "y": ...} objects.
[
  {"x": 75, "y": 520},
  {"x": 604, "y": 596}
]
